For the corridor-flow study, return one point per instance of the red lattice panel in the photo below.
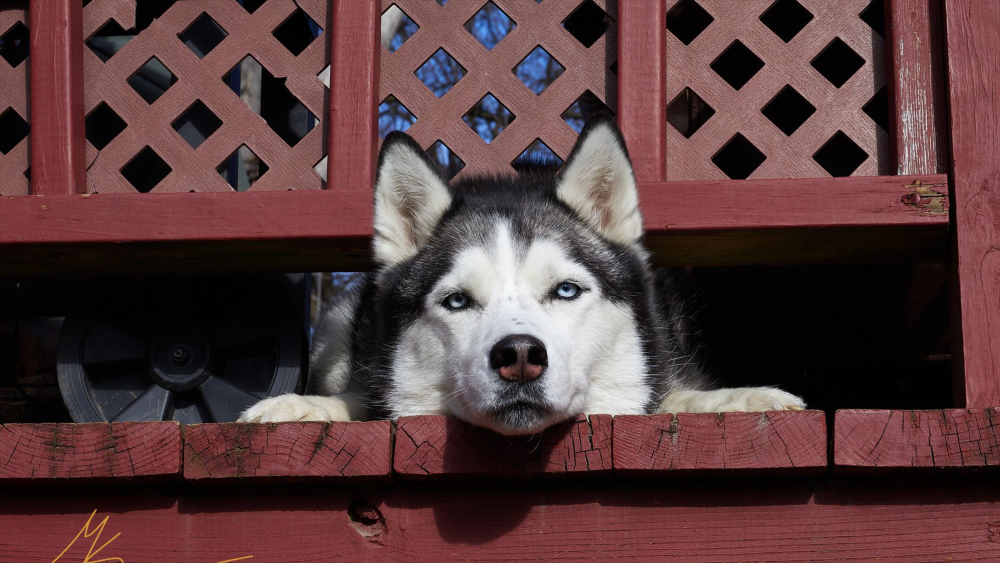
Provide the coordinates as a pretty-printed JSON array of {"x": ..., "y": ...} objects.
[
  {"x": 739, "y": 110},
  {"x": 149, "y": 124},
  {"x": 490, "y": 72},
  {"x": 14, "y": 97}
]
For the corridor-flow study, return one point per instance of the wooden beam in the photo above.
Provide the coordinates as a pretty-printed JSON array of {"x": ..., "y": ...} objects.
[
  {"x": 291, "y": 451},
  {"x": 58, "y": 147},
  {"x": 354, "y": 72},
  {"x": 915, "y": 50},
  {"x": 949, "y": 439},
  {"x": 973, "y": 38},
  {"x": 445, "y": 448},
  {"x": 686, "y": 444},
  {"x": 856, "y": 219},
  {"x": 642, "y": 85},
  {"x": 48, "y": 453},
  {"x": 896, "y": 521}
]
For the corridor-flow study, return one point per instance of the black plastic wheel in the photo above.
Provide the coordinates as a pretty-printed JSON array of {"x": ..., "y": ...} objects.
[{"x": 190, "y": 349}]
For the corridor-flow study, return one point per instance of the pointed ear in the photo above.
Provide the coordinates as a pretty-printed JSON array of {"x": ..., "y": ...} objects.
[
  {"x": 410, "y": 199},
  {"x": 597, "y": 182}
]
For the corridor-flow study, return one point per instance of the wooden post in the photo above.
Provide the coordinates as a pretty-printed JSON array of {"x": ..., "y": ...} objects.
[
  {"x": 642, "y": 85},
  {"x": 973, "y": 29},
  {"x": 913, "y": 46},
  {"x": 354, "y": 71},
  {"x": 57, "y": 120}
]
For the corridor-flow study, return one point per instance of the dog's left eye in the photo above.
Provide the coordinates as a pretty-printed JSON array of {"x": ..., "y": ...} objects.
[
  {"x": 567, "y": 290},
  {"x": 456, "y": 301}
]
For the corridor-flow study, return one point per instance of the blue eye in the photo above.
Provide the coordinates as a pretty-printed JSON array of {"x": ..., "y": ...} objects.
[
  {"x": 567, "y": 290},
  {"x": 455, "y": 301}
]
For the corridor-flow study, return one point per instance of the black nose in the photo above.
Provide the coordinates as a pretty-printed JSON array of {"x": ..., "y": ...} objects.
[{"x": 519, "y": 358}]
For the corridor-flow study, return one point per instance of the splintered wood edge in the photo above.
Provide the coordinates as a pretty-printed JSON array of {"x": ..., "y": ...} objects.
[
  {"x": 435, "y": 447},
  {"x": 97, "y": 451},
  {"x": 686, "y": 443},
  {"x": 295, "y": 450},
  {"x": 901, "y": 440}
]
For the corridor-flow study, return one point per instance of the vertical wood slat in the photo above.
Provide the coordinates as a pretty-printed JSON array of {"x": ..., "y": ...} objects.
[
  {"x": 973, "y": 44},
  {"x": 642, "y": 85},
  {"x": 354, "y": 72},
  {"x": 56, "y": 79},
  {"x": 916, "y": 86}
]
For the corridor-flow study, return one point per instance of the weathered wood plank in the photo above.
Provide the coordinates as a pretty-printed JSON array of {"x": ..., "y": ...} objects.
[
  {"x": 642, "y": 85},
  {"x": 356, "y": 450},
  {"x": 439, "y": 447},
  {"x": 973, "y": 37},
  {"x": 58, "y": 147},
  {"x": 852, "y": 520},
  {"x": 686, "y": 443},
  {"x": 949, "y": 438},
  {"x": 41, "y": 453}
]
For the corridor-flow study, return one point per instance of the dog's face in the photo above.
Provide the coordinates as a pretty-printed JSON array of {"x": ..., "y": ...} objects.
[{"x": 512, "y": 299}]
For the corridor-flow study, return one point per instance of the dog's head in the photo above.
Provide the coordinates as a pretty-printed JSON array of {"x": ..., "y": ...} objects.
[{"x": 512, "y": 301}]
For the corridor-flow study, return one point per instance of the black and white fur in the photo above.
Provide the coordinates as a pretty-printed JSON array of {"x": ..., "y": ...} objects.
[{"x": 555, "y": 257}]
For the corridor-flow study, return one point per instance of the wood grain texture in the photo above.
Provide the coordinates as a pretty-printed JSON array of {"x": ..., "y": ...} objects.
[
  {"x": 14, "y": 94},
  {"x": 57, "y": 146},
  {"x": 917, "y": 98},
  {"x": 949, "y": 438},
  {"x": 680, "y": 444},
  {"x": 856, "y": 520},
  {"x": 445, "y": 448},
  {"x": 706, "y": 223},
  {"x": 354, "y": 44},
  {"x": 642, "y": 85},
  {"x": 40, "y": 453},
  {"x": 296, "y": 450},
  {"x": 973, "y": 29}
]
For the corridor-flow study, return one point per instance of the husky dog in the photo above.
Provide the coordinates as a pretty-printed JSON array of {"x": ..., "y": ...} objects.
[{"x": 511, "y": 302}]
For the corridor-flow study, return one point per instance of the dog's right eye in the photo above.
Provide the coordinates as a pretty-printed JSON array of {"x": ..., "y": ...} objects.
[{"x": 456, "y": 301}]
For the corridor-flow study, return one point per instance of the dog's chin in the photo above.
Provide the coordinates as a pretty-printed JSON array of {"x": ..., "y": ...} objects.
[{"x": 521, "y": 418}]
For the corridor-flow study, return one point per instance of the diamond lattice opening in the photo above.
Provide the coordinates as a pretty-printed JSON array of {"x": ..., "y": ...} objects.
[
  {"x": 688, "y": 112},
  {"x": 587, "y": 23},
  {"x": 537, "y": 152},
  {"x": 739, "y": 158},
  {"x": 840, "y": 156},
  {"x": 146, "y": 170},
  {"x": 397, "y": 28},
  {"x": 297, "y": 32},
  {"x": 877, "y": 108},
  {"x": 441, "y": 2},
  {"x": 152, "y": 80},
  {"x": 488, "y": 118},
  {"x": 203, "y": 35},
  {"x": 838, "y": 62},
  {"x": 788, "y": 110},
  {"x": 448, "y": 161},
  {"x": 786, "y": 18},
  {"x": 108, "y": 40},
  {"x": 874, "y": 16},
  {"x": 538, "y": 70},
  {"x": 393, "y": 116},
  {"x": 14, "y": 44},
  {"x": 440, "y": 73},
  {"x": 586, "y": 106},
  {"x": 242, "y": 169},
  {"x": 103, "y": 125},
  {"x": 146, "y": 11},
  {"x": 283, "y": 112},
  {"x": 737, "y": 65},
  {"x": 13, "y": 130},
  {"x": 197, "y": 124},
  {"x": 490, "y": 25},
  {"x": 687, "y": 20},
  {"x": 251, "y": 5}
]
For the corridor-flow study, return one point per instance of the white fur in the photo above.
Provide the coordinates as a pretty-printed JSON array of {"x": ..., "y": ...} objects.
[
  {"x": 330, "y": 357},
  {"x": 737, "y": 399},
  {"x": 410, "y": 199},
  {"x": 305, "y": 408},
  {"x": 599, "y": 185}
]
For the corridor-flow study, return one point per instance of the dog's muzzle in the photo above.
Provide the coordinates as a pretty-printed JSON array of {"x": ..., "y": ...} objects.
[{"x": 519, "y": 358}]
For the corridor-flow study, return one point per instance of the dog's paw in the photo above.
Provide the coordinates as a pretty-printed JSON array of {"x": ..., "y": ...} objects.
[
  {"x": 759, "y": 399},
  {"x": 298, "y": 408}
]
